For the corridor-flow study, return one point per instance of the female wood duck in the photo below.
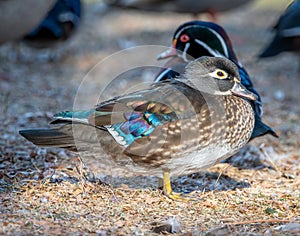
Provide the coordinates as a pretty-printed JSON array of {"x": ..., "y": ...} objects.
[
  {"x": 180, "y": 6},
  {"x": 58, "y": 25},
  {"x": 199, "y": 38},
  {"x": 287, "y": 32},
  {"x": 174, "y": 128}
]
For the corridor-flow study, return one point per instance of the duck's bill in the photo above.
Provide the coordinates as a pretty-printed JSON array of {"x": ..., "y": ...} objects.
[
  {"x": 240, "y": 90},
  {"x": 172, "y": 52}
]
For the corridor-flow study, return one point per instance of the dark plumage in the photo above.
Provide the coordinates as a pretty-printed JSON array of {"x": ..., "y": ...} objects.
[
  {"x": 58, "y": 25},
  {"x": 287, "y": 32},
  {"x": 176, "y": 127},
  {"x": 199, "y": 38}
]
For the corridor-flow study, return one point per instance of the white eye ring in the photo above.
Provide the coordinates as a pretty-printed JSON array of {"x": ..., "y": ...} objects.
[{"x": 219, "y": 74}]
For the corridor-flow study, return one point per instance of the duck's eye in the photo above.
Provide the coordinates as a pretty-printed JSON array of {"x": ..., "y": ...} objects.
[
  {"x": 184, "y": 38},
  {"x": 219, "y": 74}
]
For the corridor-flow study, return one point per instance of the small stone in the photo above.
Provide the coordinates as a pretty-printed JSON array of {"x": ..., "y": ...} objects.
[
  {"x": 279, "y": 95},
  {"x": 44, "y": 200}
]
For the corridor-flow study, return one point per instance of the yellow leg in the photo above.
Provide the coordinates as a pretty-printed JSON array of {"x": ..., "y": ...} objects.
[{"x": 168, "y": 189}]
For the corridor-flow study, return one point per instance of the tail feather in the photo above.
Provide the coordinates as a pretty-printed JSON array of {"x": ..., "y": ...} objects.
[
  {"x": 53, "y": 137},
  {"x": 277, "y": 46},
  {"x": 261, "y": 129}
]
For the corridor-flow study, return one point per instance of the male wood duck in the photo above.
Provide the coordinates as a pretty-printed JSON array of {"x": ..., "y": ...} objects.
[
  {"x": 176, "y": 127},
  {"x": 199, "y": 38},
  {"x": 181, "y": 6},
  {"x": 58, "y": 25},
  {"x": 287, "y": 32}
]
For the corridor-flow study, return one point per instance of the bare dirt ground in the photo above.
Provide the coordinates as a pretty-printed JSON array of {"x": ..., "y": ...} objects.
[{"x": 50, "y": 191}]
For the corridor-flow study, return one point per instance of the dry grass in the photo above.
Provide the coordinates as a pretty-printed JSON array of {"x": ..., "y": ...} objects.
[
  {"x": 48, "y": 191},
  {"x": 73, "y": 208}
]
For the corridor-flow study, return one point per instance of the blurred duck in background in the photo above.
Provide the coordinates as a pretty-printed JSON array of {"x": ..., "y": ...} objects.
[
  {"x": 58, "y": 25},
  {"x": 212, "y": 7},
  {"x": 287, "y": 32},
  {"x": 17, "y": 18}
]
